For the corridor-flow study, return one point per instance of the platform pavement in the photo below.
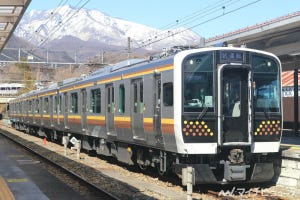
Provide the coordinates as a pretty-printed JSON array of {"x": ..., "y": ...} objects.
[
  {"x": 17, "y": 181},
  {"x": 289, "y": 138},
  {"x": 26, "y": 179}
]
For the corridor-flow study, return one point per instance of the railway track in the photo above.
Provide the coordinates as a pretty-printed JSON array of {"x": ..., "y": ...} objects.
[
  {"x": 126, "y": 191},
  {"x": 86, "y": 188}
]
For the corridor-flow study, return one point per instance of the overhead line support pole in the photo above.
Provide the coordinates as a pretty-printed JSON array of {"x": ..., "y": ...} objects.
[{"x": 296, "y": 103}]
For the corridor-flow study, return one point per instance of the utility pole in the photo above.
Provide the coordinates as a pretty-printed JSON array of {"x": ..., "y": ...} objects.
[
  {"x": 128, "y": 47},
  {"x": 19, "y": 55},
  {"x": 102, "y": 58},
  {"x": 38, "y": 73}
]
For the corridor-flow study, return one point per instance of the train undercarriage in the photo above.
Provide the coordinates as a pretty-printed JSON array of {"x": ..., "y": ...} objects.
[{"x": 229, "y": 165}]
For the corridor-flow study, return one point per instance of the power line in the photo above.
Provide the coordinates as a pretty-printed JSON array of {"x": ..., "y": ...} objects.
[
  {"x": 204, "y": 22},
  {"x": 61, "y": 25},
  {"x": 192, "y": 15},
  {"x": 57, "y": 9},
  {"x": 202, "y": 13}
]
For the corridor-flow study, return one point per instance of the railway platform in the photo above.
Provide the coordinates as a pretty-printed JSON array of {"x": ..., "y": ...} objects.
[
  {"x": 23, "y": 178},
  {"x": 289, "y": 140}
]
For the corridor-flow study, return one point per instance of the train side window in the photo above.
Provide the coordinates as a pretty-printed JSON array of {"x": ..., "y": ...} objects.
[
  {"x": 46, "y": 105},
  {"x": 95, "y": 99},
  {"x": 122, "y": 99},
  {"x": 168, "y": 94},
  {"x": 74, "y": 103}
]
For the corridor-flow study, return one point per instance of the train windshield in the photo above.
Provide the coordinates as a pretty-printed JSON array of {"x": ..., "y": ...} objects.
[
  {"x": 198, "y": 83},
  {"x": 266, "y": 84}
]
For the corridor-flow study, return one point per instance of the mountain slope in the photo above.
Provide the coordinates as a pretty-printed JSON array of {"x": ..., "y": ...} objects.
[{"x": 49, "y": 27}]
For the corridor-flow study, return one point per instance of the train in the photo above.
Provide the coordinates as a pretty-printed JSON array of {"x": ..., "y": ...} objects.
[{"x": 215, "y": 109}]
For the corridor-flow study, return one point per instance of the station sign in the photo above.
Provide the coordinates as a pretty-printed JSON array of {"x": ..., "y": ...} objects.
[{"x": 289, "y": 91}]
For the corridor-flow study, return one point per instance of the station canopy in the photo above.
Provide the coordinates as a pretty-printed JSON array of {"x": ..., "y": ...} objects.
[{"x": 11, "y": 12}]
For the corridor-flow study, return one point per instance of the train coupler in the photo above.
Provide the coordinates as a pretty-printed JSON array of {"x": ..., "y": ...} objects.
[{"x": 234, "y": 172}]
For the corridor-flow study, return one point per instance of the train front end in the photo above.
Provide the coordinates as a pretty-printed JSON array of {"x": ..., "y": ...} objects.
[{"x": 228, "y": 117}]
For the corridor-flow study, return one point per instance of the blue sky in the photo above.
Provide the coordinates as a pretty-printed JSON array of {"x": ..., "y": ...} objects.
[{"x": 159, "y": 14}]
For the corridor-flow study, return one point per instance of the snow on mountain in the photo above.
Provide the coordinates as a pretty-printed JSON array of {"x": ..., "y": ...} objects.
[{"x": 44, "y": 27}]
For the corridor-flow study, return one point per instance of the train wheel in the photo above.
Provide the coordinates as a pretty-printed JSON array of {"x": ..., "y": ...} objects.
[{"x": 142, "y": 167}]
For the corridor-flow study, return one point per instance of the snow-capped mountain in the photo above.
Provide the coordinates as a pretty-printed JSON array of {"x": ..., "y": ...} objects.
[{"x": 69, "y": 26}]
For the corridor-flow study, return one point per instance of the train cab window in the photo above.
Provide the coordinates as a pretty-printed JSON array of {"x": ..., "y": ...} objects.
[
  {"x": 46, "y": 105},
  {"x": 266, "y": 84},
  {"x": 168, "y": 94},
  {"x": 198, "y": 84},
  {"x": 122, "y": 99},
  {"x": 74, "y": 103},
  {"x": 95, "y": 101}
]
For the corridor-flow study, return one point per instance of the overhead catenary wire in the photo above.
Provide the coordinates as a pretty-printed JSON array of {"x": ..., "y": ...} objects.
[
  {"x": 219, "y": 5},
  {"x": 202, "y": 13},
  {"x": 68, "y": 16},
  {"x": 201, "y": 23},
  {"x": 53, "y": 13},
  {"x": 194, "y": 14}
]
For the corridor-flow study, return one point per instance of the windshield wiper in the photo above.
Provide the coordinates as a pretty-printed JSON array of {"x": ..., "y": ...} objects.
[
  {"x": 201, "y": 115},
  {"x": 266, "y": 113}
]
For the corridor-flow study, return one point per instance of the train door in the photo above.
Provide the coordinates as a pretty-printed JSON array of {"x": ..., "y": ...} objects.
[
  {"x": 110, "y": 109},
  {"x": 137, "y": 109},
  {"x": 235, "y": 104},
  {"x": 83, "y": 109},
  {"x": 157, "y": 108}
]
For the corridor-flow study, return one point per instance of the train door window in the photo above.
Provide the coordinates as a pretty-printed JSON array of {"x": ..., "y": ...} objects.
[
  {"x": 122, "y": 99},
  {"x": 46, "y": 105},
  {"x": 113, "y": 98},
  {"x": 55, "y": 103},
  {"x": 110, "y": 99},
  {"x": 74, "y": 103},
  {"x": 135, "y": 97},
  {"x": 30, "y": 107},
  {"x": 17, "y": 108},
  {"x": 66, "y": 103},
  {"x": 60, "y": 104},
  {"x": 95, "y": 101},
  {"x": 232, "y": 96},
  {"x": 37, "y": 106},
  {"x": 168, "y": 94},
  {"x": 138, "y": 96},
  {"x": 142, "y": 107}
]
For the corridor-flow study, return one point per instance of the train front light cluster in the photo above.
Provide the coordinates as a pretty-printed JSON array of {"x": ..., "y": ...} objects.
[
  {"x": 269, "y": 127},
  {"x": 196, "y": 128}
]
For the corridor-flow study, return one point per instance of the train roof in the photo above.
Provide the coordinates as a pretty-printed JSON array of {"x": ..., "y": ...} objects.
[
  {"x": 124, "y": 67},
  {"x": 127, "y": 68}
]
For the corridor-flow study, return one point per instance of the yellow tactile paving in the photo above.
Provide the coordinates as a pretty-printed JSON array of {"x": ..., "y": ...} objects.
[{"x": 5, "y": 193}]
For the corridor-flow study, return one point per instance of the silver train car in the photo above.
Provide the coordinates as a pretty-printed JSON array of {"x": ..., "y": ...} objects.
[{"x": 215, "y": 109}]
